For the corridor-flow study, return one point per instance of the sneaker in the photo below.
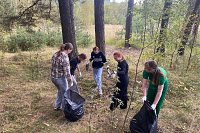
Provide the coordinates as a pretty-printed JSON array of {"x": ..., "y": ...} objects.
[{"x": 112, "y": 107}]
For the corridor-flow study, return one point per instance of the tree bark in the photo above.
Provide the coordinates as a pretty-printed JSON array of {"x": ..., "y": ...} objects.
[
  {"x": 129, "y": 23},
  {"x": 66, "y": 8},
  {"x": 187, "y": 30},
  {"x": 193, "y": 40},
  {"x": 99, "y": 24},
  {"x": 163, "y": 27}
]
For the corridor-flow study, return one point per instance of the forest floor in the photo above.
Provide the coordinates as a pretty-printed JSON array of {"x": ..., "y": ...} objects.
[{"x": 27, "y": 97}]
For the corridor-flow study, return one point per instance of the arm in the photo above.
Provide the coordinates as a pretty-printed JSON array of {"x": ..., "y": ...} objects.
[
  {"x": 78, "y": 69},
  {"x": 144, "y": 87},
  {"x": 159, "y": 94},
  {"x": 91, "y": 58},
  {"x": 123, "y": 69},
  {"x": 104, "y": 58},
  {"x": 66, "y": 66}
]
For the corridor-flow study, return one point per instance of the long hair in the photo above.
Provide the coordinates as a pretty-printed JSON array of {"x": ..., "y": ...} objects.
[
  {"x": 65, "y": 46},
  {"x": 157, "y": 73},
  {"x": 119, "y": 54}
]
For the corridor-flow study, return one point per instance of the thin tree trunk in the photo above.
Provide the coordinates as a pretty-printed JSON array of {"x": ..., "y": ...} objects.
[
  {"x": 99, "y": 24},
  {"x": 193, "y": 16},
  {"x": 137, "y": 63},
  {"x": 194, "y": 36},
  {"x": 129, "y": 17},
  {"x": 155, "y": 37},
  {"x": 164, "y": 24},
  {"x": 189, "y": 11},
  {"x": 67, "y": 23}
]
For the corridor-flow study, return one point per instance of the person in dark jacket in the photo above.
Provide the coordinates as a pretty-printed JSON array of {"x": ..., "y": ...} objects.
[
  {"x": 74, "y": 65},
  {"x": 98, "y": 59},
  {"x": 120, "y": 95}
]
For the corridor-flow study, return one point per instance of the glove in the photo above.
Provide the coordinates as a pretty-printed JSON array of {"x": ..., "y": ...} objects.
[
  {"x": 87, "y": 67},
  {"x": 80, "y": 74},
  {"x": 71, "y": 81},
  {"x": 114, "y": 74},
  {"x": 153, "y": 106},
  {"x": 144, "y": 98}
]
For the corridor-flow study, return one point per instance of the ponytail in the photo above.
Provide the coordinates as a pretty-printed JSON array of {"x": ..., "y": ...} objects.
[{"x": 65, "y": 46}]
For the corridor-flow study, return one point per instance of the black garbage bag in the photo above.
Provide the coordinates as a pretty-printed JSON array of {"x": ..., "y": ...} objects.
[
  {"x": 73, "y": 104},
  {"x": 145, "y": 121}
]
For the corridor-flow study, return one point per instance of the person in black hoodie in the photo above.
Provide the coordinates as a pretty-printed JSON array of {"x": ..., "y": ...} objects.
[
  {"x": 120, "y": 95},
  {"x": 98, "y": 59},
  {"x": 74, "y": 65}
]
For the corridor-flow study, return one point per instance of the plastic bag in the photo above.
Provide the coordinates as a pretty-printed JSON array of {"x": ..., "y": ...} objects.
[
  {"x": 145, "y": 121},
  {"x": 73, "y": 104}
]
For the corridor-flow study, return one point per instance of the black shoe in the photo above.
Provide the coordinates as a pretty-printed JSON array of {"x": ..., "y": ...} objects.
[
  {"x": 124, "y": 105},
  {"x": 57, "y": 109},
  {"x": 112, "y": 107}
]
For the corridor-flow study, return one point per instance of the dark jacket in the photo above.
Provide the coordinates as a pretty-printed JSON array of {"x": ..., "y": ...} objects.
[
  {"x": 73, "y": 65},
  {"x": 98, "y": 60},
  {"x": 122, "y": 73}
]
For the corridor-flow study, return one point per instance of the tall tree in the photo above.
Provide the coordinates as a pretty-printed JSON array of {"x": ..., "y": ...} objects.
[
  {"x": 99, "y": 24},
  {"x": 66, "y": 8},
  {"x": 163, "y": 27},
  {"x": 129, "y": 23},
  {"x": 188, "y": 27},
  {"x": 194, "y": 37}
]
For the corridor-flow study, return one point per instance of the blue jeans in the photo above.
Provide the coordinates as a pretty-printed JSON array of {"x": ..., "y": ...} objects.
[
  {"x": 97, "y": 77},
  {"x": 62, "y": 86}
]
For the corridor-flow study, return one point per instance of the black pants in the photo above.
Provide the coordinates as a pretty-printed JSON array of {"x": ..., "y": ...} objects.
[{"x": 119, "y": 99}]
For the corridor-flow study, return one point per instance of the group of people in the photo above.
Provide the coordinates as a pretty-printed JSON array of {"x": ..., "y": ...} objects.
[{"x": 154, "y": 83}]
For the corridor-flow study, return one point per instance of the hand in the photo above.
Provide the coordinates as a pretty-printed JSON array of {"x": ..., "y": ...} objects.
[
  {"x": 80, "y": 74},
  {"x": 71, "y": 81},
  {"x": 153, "y": 106},
  {"x": 144, "y": 98},
  {"x": 72, "y": 84},
  {"x": 113, "y": 75}
]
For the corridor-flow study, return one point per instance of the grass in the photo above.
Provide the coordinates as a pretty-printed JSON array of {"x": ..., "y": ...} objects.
[
  {"x": 27, "y": 105},
  {"x": 27, "y": 95}
]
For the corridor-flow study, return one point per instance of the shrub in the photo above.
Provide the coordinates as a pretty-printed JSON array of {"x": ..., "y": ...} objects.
[
  {"x": 25, "y": 41},
  {"x": 83, "y": 39},
  {"x": 53, "y": 39}
]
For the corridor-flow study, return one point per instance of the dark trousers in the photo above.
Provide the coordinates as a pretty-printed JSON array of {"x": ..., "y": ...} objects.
[{"x": 119, "y": 99}]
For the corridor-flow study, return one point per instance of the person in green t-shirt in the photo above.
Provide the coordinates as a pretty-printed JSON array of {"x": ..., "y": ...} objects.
[{"x": 156, "y": 90}]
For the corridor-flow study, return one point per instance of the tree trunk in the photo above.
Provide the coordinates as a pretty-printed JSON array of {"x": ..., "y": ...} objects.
[
  {"x": 99, "y": 24},
  {"x": 193, "y": 40},
  {"x": 164, "y": 24},
  {"x": 67, "y": 23},
  {"x": 129, "y": 23},
  {"x": 187, "y": 30}
]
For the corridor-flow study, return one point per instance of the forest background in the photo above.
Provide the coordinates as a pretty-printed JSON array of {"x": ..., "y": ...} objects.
[{"x": 30, "y": 32}]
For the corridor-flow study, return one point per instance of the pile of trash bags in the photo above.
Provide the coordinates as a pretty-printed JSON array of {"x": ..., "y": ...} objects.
[
  {"x": 73, "y": 104},
  {"x": 145, "y": 121}
]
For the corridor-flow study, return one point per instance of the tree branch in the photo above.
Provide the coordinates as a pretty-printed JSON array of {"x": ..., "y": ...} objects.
[{"x": 27, "y": 9}]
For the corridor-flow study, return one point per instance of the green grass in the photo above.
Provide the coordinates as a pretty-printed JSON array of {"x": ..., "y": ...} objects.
[{"x": 27, "y": 105}]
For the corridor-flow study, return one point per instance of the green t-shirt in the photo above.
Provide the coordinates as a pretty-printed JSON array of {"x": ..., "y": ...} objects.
[{"x": 161, "y": 80}]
